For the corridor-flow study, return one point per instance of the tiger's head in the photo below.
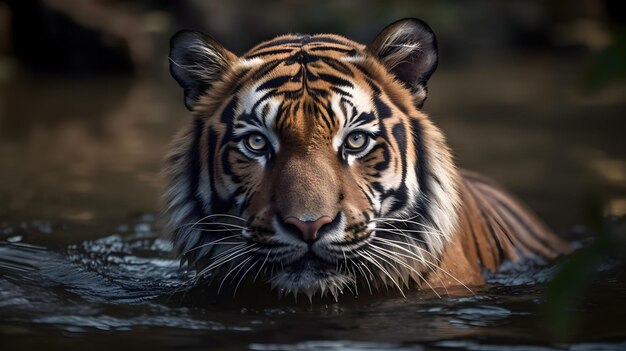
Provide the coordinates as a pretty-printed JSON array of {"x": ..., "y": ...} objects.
[{"x": 309, "y": 163}]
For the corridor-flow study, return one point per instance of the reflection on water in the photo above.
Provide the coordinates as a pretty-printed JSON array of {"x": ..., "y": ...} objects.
[{"x": 81, "y": 254}]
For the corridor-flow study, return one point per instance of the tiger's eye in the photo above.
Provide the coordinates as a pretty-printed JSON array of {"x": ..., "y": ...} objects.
[
  {"x": 356, "y": 141},
  {"x": 256, "y": 142}
]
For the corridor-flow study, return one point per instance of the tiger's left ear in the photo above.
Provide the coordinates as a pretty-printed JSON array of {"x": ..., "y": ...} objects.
[
  {"x": 197, "y": 61},
  {"x": 408, "y": 49}
]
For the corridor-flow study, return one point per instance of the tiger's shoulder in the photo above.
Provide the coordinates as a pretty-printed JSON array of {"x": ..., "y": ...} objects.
[{"x": 493, "y": 227}]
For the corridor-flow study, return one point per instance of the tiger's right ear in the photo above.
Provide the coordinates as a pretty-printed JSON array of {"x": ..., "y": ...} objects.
[
  {"x": 408, "y": 49},
  {"x": 197, "y": 61}
]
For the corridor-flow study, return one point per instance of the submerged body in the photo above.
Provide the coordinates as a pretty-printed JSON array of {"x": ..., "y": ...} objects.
[{"x": 311, "y": 166}]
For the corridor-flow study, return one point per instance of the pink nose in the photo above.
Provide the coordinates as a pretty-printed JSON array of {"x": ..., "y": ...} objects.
[{"x": 309, "y": 229}]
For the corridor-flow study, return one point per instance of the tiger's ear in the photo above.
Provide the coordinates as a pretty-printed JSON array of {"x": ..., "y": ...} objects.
[
  {"x": 197, "y": 61},
  {"x": 408, "y": 49}
]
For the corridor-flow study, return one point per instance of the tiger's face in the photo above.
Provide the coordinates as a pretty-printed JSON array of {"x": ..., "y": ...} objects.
[{"x": 309, "y": 163}]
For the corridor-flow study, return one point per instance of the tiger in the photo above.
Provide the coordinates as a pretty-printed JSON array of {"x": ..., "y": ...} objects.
[{"x": 311, "y": 168}]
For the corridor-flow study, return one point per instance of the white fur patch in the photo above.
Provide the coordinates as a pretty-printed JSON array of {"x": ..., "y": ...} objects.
[
  {"x": 401, "y": 40},
  {"x": 348, "y": 124},
  {"x": 249, "y": 63}
]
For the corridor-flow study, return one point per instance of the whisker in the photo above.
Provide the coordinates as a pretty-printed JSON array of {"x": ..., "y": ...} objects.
[
  {"x": 225, "y": 253},
  {"x": 210, "y": 243},
  {"x": 437, "y": 233},
  {"x": 226, "y": 257},
  {"x": 432, "y": 265},
  {"x": 230, "y": 271},
  {"x": 219, "y": 230},
  {"x": 399, "y": 243},
  {"x": 414, "y": 254},
  {"x": 211, "y": 216},
  {"x": 445, "y": 271},
  {"x": 376, "y": 253},
  {"x": 356, "y": 286},
  {"x": 367, "y": 280},
  {"x": 262, "y": 265},
  {"x": 407, "y": 266},
  {"x": 383, "y": 219},
  {"x": 399, "y": 234},
  {"x": 223, "y": 224},
  {"x": 243, "y": 276},
  {"x": 371, "y": 259},
  {"x": 411, "y": 254}
]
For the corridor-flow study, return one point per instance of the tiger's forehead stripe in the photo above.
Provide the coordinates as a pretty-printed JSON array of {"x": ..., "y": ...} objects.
[
  {"x": 313, "y": 86},
  {"x": 296, "y": 40},
  {"x": 302, "y": 75}
]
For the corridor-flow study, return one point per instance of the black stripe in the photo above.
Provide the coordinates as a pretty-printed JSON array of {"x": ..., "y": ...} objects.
[
  {"x": 363, "y": 118},
  {"x": 292, "y": 94},
  {"x": 335, "y": 80},
  {"x": 248, "y": 119},
  {"x": 327, "y": 117},
  {"x": 384, "y": 111},
  {"x": 326, "y": 39},
  {"x": 488, "y": 224},
  {"x": 421, "y": 170},
  {"x": 473, "y": 232},
  {"x": 341, "y": 92},
  {"x": 531, "y": 232},
  {"x": 265, "y": 69},
  {"x": 363, "y": 70},
  {"x": 280, "y": 119},
  {"x": 421, "y": 164},
  {"x": 228, "y": 114},
  {"x": 262, "y": 99},
  {"x": 399, "y": 132},
  {"x": 338, "y": 66},
  {"x": 277, "y": 42},
  {"x": 226, "y": 162},
  {"x": 217, "y": 205},
  {"x": 332, "y": 48},
  {"x": 401, "y": 193},
  {"x": 194, "y": 168},
  {"x": 269, "y": 52},
  {"x": 385, "y": 162},
  {"x": 274, "y": 83}
]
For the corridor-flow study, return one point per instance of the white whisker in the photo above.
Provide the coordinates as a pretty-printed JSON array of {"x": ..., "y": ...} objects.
[
  {"x": 230, "y": 271},
  {"x": 211, "y": 243},
  {"x": 371, "y": 259},
  {"x": 406, "y": 265},
  {"x": 243, "y": 276}
]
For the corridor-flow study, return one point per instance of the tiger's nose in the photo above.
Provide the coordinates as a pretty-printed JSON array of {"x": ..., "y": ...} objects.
[{"x": 309, "y": 229}]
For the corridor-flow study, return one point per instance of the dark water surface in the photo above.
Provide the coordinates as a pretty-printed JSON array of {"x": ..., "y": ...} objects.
[{"x": 83, "y": 263}]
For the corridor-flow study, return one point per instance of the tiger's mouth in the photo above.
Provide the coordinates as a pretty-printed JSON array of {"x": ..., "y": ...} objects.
[
  {"x": 324, "y": 266},
  {"x": 346, "y": 256},
  {"x": 337, "y": 242},
  {"x": 311, "y": 275}
]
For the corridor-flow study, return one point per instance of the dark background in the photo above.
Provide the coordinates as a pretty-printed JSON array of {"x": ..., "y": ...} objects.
[{"x": 530, "y": 93}]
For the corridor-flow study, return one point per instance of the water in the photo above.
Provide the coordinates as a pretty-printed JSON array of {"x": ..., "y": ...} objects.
[
  {"x": 125, "y": 288},
  {"x": 83, "y": 263}
]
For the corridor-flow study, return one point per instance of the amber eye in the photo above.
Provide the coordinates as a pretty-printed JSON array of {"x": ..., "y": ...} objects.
[
  {"x": 356, "y": 141},
  {"x": 256, "y": 142}
]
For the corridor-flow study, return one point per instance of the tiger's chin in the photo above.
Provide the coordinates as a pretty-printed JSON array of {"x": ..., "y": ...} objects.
[{"x": 309, "y": 277}]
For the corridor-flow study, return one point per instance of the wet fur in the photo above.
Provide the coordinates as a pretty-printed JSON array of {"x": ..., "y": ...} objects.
[{"x": 405, "y": 214}]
